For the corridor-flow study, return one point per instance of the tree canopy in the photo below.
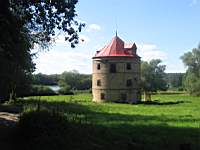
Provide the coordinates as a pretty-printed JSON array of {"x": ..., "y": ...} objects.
[
  {"x": 175, "y": 80},
  {"x": 43, "y": 79},
  {"x": 153, "y": 76},
  {"x": 75, "y": 80},
  {"x": 192, "y": 78},
  {"x": 43, "y": 18},
  {"x": 24, "y": 24}
]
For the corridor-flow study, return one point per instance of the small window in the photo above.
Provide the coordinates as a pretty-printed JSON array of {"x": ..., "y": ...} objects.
[
  {"x": 123, "y": 96},
  {"x": 138, "y": 95},
  {"x": 112, "y": 68},
  {"x": 129, "y": 82},
  {"x": 98, "y": 66},
  {"x": 102, "y": 96},
  {"x": 128, "y": 66},
  {"x": 98, "y": 82},
  {"x": 135, "y": 79}
]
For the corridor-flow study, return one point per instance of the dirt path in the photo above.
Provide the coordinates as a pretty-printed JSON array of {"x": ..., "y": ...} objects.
[{"x": 8, "y": 119}]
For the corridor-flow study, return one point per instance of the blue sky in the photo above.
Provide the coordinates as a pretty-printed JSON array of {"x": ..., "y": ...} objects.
[{"x": 163, "y": 29}]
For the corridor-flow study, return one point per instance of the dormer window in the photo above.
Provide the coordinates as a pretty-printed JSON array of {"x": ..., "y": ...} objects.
[
  {"x": 128, "y": 66},
  {"x": 98, "y": 66},
  {"x": 112, "y": 68}
]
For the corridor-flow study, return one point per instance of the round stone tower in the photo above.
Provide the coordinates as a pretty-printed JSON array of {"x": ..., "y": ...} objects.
[{"x": 116, "y": 73}]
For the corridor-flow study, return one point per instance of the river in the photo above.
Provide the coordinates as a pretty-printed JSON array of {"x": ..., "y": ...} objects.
[{"x": 54, "y": 87}]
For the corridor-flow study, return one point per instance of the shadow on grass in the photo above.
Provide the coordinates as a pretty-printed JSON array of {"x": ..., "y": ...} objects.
[
  {"x": 157, "y": 102},
  {"x": 171, "y": 93},
  {"x": 41, "y": 130},
  {"x": 10, "y": 108},
  {"x": 86, "y": 114}
]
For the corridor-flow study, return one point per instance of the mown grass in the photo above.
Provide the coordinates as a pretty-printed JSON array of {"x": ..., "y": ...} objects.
[
  {"x": 170, "y": 109},
  {"x": 171, "y": 121}
]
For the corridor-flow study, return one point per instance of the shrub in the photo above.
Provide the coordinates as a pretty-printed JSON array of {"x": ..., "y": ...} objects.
[
  {"x": 38, "y": 90},
  {"x": 65, "y": 91},
  {"x": 180, "y": 89},
  {"x": 42, "y": 130}
]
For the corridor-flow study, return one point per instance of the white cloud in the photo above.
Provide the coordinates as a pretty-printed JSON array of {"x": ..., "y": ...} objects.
[
  {"x": 179, "y": 67},
  {"x": 61, "y": 59},
  {"x": 55, "y": 61},
  {"x": 93, "y": 27},
  {"x": 150, "y": 51}
]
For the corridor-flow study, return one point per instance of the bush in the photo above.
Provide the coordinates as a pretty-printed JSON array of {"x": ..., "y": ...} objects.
[
  {"x": 65, "y": 91},
  {"x": 180, "y": 89},
  {"x": 42, "y": 130},
  {"x": 38, "y": 90}
]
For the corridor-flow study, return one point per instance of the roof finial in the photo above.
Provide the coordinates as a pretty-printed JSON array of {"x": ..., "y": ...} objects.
[{"x": 116, "y": 26}]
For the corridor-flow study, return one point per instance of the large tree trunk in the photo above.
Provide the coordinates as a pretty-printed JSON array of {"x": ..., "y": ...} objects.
[
  {"x": 13, "y": 95},
  {"x": 147, "y": 96},
  {"x": 14, "y": 80}
]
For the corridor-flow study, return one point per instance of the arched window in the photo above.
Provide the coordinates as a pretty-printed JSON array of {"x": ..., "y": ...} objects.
[
  {"x": 128, "y": 66},
  {"x": 98, "y": 66},
  {"x": 129, "y": 83},
  {"x": 102, "y": 96},
  {"x": 98, "y": 82},
  {"x": 112, "y": 68},
  {"x": 123, "y": 96},
  {"x": 135, "y": 79}
]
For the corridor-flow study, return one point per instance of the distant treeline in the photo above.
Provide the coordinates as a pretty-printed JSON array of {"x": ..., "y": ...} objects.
[
  {"x": 175, "y": 81},
  {"x": 77, "y": 81},
  {"x": 68, "y": 81},
  {"x": 43, "y": 79},
  {"x": 71, "y": 79}
]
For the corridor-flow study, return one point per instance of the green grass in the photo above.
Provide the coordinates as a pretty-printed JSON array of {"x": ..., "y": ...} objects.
[
  {"x": 169, "y": 122},
  {"x": 169, "y": 109}
]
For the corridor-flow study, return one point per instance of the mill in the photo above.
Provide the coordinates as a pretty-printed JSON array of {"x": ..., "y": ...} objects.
[{"x": 116, "y": 73}]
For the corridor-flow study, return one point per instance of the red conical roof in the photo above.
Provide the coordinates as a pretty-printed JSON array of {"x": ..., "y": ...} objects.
[{"x": 117, "y": 47}]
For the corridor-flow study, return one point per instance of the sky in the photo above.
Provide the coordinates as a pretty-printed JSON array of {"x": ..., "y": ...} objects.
[{"x": 161, "y": 29}]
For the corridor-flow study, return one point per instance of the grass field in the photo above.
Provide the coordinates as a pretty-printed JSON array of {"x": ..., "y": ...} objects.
[
  {"x": 171, "y": 121},
  {"x": 176, "y": 110}
]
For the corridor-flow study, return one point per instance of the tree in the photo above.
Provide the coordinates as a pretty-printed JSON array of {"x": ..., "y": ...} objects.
[
  {"x": 65, "y": 90},
  {"x": 175, "y": 80},
  {"x": 192, "y": 77},
  {"x": 43, "y": 79},
  {"x": 24, "y": 24},
  {"x": 15, "y": 60},
  {"x": 75, "y": 80},
  {"x": 152, "y": 77},
  {"x": 43, "y": 18}
]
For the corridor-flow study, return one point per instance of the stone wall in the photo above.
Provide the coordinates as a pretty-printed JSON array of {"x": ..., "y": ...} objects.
[{"x": 113, "y": 86}]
